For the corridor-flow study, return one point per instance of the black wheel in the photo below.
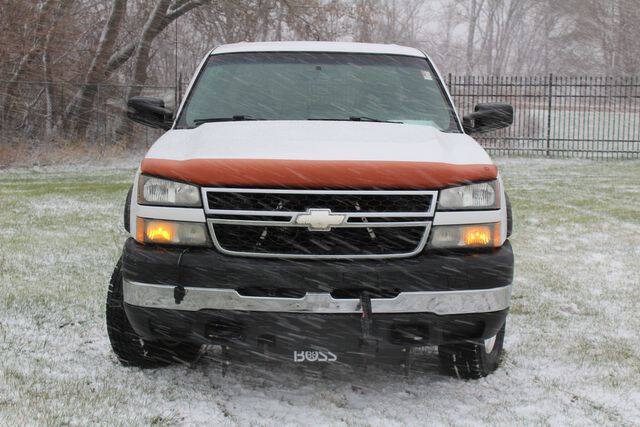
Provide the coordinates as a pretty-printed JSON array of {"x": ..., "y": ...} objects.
[
  {"x": 132, "y": 350},
  {"x": 472, "y": 360},
  {"x": 509, "y": 216}
]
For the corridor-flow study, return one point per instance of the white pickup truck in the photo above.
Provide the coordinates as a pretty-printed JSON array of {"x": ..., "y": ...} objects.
[{"x": 318, "y": 201}]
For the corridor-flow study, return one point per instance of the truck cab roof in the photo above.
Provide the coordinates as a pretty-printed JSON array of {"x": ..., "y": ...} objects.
[{"x": 307, "y": 46}]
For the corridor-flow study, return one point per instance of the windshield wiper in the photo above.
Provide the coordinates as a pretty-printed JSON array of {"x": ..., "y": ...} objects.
[
  {"x": 371, "y": 119},
  {"x": 358, "y": 119},
  {"x": 236, "y": 118}
]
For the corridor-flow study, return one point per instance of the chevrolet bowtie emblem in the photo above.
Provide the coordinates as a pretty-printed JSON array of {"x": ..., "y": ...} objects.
[{"x": 320, "y": 219}]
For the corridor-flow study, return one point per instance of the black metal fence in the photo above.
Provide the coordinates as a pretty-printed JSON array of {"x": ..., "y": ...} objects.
[
  {"x": 591, "y": 117},
  {"x": 555, "y": 116}
]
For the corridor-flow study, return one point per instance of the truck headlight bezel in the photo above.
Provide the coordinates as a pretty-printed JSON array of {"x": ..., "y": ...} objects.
[
  {"x": 476, "y": 196},
  {"x": 156, "y": 191}
]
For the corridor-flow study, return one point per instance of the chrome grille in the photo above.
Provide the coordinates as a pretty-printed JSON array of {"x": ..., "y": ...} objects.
[
  {"x": 319, "y": 223},
  {"x": 301, "y": 202}
]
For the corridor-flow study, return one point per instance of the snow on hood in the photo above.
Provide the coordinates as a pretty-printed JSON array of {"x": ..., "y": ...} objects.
[
  {"x": 318, "y": 154},
  {"x": 318, "y": 140}
]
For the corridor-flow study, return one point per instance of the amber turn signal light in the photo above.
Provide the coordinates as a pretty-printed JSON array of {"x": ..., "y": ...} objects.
[
  {"x": 476, "y": 236},
  {"x": 154, "y": 231},
  {"x": 171, "y": 232},
  {"x": 159, "y": 232},
  {"x": 466, "y": 236}
]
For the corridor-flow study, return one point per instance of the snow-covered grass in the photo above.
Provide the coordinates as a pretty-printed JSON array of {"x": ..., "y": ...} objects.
[{"x": 572, "y": 344}]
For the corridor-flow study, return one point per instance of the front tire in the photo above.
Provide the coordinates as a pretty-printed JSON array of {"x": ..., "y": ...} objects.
[
  {"x": 472, "y": 360},
  {"x": 132, "y": 350}
]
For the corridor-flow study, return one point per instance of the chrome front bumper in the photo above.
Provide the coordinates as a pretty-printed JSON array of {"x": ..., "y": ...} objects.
[{"x": 438, "y": 302}]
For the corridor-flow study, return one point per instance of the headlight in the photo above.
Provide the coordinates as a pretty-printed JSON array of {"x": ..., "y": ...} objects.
[
  {"x": 484, "y": 195},
  {"x": 171, "y": 232},
  {"x": 163, "y": 192},
  {"x": 466, "y": 236}
]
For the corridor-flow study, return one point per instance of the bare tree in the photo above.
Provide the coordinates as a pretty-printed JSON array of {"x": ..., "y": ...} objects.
[
  {"x": 163, "y": 13},
  {"x": 51, "y": 92},
  {"x": 84, "y": 98},
  {"x": 388, "y": 21},
  {"x": 233, "y": 21},
  {"x": 473, "y": 14},
  {"x": 43, "y": 23},
  {"x": 317, "y": 19},
  {"x": 494, "y": 29},
  {"x": 61, "y": 56},
  {"x": 606, "y": 29},
  {"x": 108, "y": 59}
]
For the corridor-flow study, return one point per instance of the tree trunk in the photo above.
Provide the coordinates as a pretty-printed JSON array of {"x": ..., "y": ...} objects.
[
  {"x": 151, "y": 29},
  {"x": 471, "y": 32},
  {"x": 51, "y": 92},
  {"x": 163, "y": 14},
  {"x": 75, "y": 117},
  {"x": 42, "y": 22}
]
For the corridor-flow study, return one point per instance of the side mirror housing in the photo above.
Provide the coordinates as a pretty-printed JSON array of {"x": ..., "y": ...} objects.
[
  {"x": 488, "y": 117},
  {"x": 149, "y": 112}
]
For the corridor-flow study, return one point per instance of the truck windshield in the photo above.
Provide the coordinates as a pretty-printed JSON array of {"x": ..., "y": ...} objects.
[{"x": 318, "y": 86}]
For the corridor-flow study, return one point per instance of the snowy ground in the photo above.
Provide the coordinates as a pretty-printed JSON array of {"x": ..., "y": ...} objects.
[{"x": 572, "y": 345}]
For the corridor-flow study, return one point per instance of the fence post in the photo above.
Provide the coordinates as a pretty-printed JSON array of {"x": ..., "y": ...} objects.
[
  {"x": 105, "y": 129},
  {"x": 549, "y": 113},
  {"x": 61, "y": 107},
  {"x": 96, "y": 107}
]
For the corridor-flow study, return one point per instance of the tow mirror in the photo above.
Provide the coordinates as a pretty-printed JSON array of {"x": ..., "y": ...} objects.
[
  {"x": 149, "y": 112},
  {"x": 488, "y": 117}
]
